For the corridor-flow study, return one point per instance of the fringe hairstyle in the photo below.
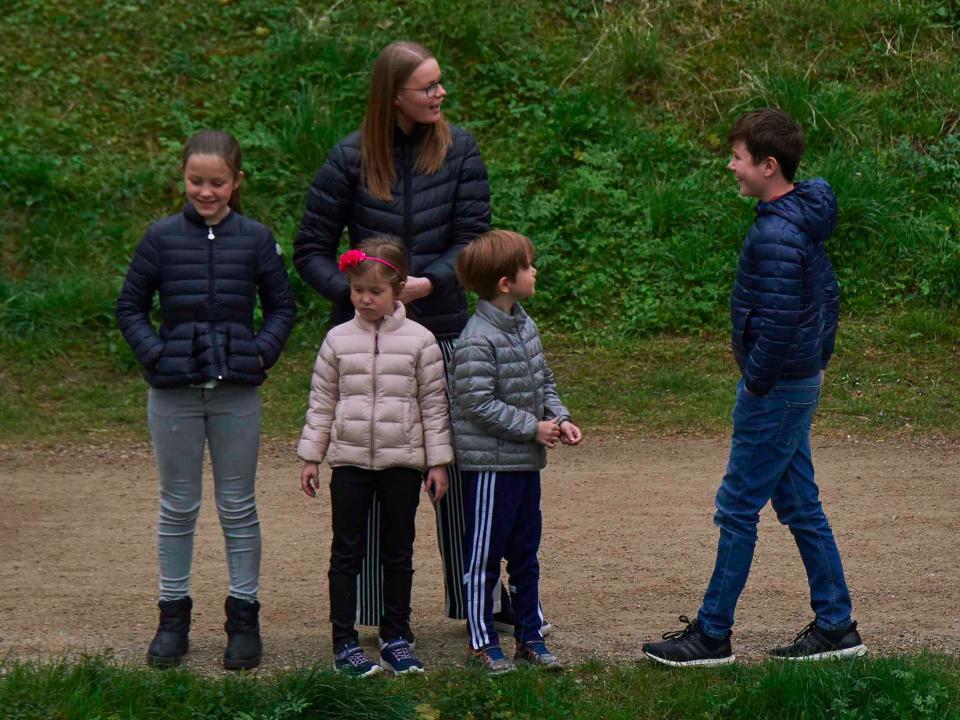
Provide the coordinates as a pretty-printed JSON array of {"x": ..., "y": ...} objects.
[
  {"x": 487, "y": 258},
  {"x": 386, "y": 248},
  {"x": 395, "y": 64},
  {"x": 223, "y": 145}
]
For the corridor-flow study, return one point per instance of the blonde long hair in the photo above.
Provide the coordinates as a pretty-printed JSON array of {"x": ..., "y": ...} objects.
[{"x": 395, "y": 64}]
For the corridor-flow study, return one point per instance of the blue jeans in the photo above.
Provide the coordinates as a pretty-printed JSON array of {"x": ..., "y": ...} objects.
[{"x": 770, "y": 460}]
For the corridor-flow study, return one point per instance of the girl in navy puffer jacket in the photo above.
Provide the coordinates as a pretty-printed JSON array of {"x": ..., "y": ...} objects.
[{"x": 208, "y": 263}]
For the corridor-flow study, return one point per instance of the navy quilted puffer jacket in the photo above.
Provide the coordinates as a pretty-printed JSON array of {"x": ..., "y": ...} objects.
[
  {"x": 208, "y": 291},
  {"x": 434, "y": 216},
  {"x": 785, "y": 302}
]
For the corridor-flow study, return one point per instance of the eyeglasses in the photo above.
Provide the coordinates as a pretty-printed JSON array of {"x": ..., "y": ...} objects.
[{"x": 431, "y": 91}]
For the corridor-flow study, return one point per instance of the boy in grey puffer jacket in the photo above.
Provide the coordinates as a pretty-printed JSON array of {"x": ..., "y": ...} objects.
[{"x": 505, "y": 413}]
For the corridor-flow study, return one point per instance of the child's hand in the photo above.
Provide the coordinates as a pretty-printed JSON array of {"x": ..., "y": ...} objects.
[
  {"x": 548, "y": 432},
  {"x": 309, "y": 478},
  {"x": 570, "y": 434},
  {"x": 435, "y": 484}
]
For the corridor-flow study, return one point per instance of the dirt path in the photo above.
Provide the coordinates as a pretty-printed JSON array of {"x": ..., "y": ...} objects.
[{"x": 628, "y": 546}]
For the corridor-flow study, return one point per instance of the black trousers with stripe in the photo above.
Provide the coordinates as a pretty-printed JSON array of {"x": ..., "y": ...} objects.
[
  {"x": 450, "y": 529},
  {"x": 351, "y": 491}
]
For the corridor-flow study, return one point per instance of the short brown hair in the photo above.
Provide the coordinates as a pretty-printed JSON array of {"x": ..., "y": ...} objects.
[
  {"x": 770, "y": 132},
  {"x": 491, "y": 256},
  {"x": 386, "y": 248}
]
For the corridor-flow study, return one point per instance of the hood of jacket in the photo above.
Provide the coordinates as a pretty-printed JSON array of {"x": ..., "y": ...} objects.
[{"x": 811, "y": 206}]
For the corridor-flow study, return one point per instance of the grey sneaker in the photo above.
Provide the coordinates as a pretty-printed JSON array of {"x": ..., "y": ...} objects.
[
  {"x": 535, "y": 653},
  {"x": 491, "y": 659}
]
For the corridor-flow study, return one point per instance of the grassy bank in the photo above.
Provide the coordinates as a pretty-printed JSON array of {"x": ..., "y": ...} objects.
[
  {"x": 603, "y": 125},
  {"x": 902, "y": 688},
  {"x": 894, "y": 376}
]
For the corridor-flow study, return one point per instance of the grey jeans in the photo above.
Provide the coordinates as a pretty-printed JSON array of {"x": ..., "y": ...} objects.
[{"x": 182, "y": 421}]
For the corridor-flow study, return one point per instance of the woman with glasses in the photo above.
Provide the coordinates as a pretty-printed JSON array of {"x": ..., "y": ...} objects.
[{"x": 410, "y": 174}]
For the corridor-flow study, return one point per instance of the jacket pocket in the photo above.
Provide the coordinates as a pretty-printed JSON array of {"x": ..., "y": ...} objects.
[
  {"x": 336, "y": 431},
  {"x": 744, "y": 331},
  {"x": 796, "y": 420},
  {"x": 412, "y": 426}
]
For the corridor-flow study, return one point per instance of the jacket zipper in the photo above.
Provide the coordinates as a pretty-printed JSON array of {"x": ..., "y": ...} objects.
[
  {"x": 530, "y": 369},
  {"x": 217, "y": 357},
  {"x": 373, "y": 405}
]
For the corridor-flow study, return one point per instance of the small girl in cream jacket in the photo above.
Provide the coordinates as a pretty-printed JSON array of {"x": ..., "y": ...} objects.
[{"x": 378, "y": 413}]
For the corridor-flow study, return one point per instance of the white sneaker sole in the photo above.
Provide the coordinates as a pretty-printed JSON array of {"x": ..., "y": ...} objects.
[
  {"x": 505, "y": 629},
  {"x": 714, "y": 662},
  {"x": 375, "y": 670},
  {"x": 411, "y": 671},
  {"x": 856, "y": 651}
]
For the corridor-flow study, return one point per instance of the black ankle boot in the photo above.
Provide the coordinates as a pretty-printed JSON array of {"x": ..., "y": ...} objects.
[
  {"x": 172, "y": 640},
  {"x": 243, "y": 634}
]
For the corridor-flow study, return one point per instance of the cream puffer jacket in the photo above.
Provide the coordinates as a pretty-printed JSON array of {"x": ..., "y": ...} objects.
[{"x": 378, "y": 397}]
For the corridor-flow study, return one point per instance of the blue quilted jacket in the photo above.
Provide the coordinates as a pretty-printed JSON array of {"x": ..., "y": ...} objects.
[
  {"x": 785, "y": 302},
  {"x": 208, "y": 291}
]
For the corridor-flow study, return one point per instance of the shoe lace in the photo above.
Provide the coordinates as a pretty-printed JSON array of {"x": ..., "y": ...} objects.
[
  {"x": 357, "y": 658},
  {"x": 806, "y": 631},
  {"x": 537, "y": 647},
  {"x": 677, "y": 634},
  {"x": 490, "y": 654},
  {"x": 401, "y": 651}
]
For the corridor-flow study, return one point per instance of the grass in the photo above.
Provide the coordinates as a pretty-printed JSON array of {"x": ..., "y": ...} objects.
[
  {"x": 602, "y": 124},
  {"x": 925, "y": 686},
  {"x": 879, "y": 384}
]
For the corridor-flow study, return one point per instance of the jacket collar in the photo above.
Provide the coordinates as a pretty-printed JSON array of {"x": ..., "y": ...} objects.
[
  {"x": 195, "y": 218},
  {"x": 413, "y": 139},
  {"x": 389, "y": 322},
  {"x": 499, "y": 319}
]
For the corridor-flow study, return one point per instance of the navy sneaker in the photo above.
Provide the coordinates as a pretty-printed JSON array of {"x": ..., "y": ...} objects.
[
  {"x": 350, "y": 660},
  {"x": 534, "y": 652},
  {"x": 408, "y": 636},
  {"x": 815, "y": 643},
  {"x": 398, "y": 658},
  {"x": 491, "y": 659},
  {"x": 690, "y": 647}
]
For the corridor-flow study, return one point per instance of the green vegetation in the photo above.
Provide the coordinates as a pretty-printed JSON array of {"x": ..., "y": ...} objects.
[
  {"x": 902, "y": 688},
  {"x": 603, "y": 125},
  {"x": 879, "y": 383}
]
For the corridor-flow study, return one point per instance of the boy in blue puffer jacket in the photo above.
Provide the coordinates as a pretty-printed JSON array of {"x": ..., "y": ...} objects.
[{"x": 785, "y": 305}]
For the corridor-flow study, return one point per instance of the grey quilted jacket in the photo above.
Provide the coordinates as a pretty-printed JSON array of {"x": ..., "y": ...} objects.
[{"x": 500, "y": 389}]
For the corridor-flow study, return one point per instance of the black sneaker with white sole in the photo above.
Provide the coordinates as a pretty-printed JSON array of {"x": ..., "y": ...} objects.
[
  {"x": 503, "y": 624},
  {"x": 815, "y": 643},
  {"x": 690, "y": 647}
]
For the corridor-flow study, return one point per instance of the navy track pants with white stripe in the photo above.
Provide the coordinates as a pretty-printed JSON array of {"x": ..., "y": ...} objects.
[{"x": 503, "y": 521}]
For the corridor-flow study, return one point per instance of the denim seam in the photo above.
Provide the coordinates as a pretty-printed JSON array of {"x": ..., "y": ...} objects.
[
  {"x": 824, "y": 562},
  {"x": 740, "y": 490}
]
